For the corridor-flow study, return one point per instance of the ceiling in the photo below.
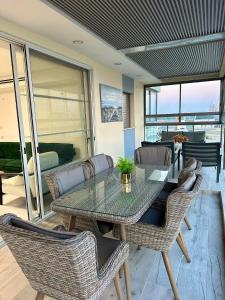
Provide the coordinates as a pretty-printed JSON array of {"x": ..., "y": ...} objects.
[
  {"x": 50, "y": 23},
  {"x": 178, "y": 38},
  {"x": 182, "y": 61}
]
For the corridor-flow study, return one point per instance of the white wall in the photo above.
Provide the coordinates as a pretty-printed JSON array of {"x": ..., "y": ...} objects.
[{"x": 109, "y": 136}]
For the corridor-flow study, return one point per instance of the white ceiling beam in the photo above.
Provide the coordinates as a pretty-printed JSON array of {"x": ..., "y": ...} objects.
[
  {"x": 191, "y": 78},
  {"x": 177, "y": 43}
]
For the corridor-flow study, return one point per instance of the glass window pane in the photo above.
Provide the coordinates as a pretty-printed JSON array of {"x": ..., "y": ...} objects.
[
  {"x": 200, "y": 118},
  {"x": 147, "y": 103},
  {"x": 151, "y": 120},
  {"x": 55, "y": 115},
  {"x": 51, "y": 78},
  {"x": 60, "y": 99},
  {"x": 212, "y": 132},
  {"x": 168, "y": 119},
  {"x": 200, "y": 97},
  {"x": 168, "y": 99},
  {"x": 153, "y": 133},
  {"x": 153, "y": 102}
]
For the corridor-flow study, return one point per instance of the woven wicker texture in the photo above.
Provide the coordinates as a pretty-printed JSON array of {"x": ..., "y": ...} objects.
[
  {"x": 91, "y": 163},
  {"x": 153, "y": 155},
  {"x": 52, "y": 178},
  {"x": 103, "y": 198},
  {"x": 188, "y": 168},
  {"x": 162, "y": 238},
  {"x": 62, "y": 269}
]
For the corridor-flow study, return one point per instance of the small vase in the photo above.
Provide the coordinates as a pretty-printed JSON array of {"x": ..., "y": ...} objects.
[
  {"x": 126, "y": 187},
  {"x": 125, "y": 178}
]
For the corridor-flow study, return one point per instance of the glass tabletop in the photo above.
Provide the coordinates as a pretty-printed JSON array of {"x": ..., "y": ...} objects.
[{"x": 104, "y": 197}]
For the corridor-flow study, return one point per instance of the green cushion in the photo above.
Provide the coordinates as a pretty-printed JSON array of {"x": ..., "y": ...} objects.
[
  {"x": 65, "y": 151},
  {"x": 11, "y": 165},
  {"x": 10, "y": 158},
  {"x": 10, "y": 150},
  {"x": 14, "y": 164}
]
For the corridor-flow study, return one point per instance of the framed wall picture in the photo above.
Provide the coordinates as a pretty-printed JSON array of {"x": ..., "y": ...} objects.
[{"x": 111, "y": 104}]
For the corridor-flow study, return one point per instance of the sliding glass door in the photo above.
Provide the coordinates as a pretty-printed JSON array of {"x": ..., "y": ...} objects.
[
  {"x": 18, "y": 182},
  {"x": 44, "y": 123},
  {"x": 27, "y": 143},
  {"x": 60, "y": 93}
]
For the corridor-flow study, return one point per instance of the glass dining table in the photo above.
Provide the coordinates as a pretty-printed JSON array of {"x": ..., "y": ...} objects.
[{"x": 105, "y": 198}]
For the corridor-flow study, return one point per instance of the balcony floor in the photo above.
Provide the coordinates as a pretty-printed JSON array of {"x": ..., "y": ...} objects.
[{"x": 202, "y": 279}]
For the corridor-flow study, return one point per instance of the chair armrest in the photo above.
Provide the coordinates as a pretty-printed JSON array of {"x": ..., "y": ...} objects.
[
  {"x": 59, "y": 228},
  {"x": 199, "y": 166},
  {"x": 170, "y": 186},
  {"x": 115, "y": 261}
]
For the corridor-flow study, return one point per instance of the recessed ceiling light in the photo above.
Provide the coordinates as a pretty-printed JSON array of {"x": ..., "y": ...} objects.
[
  {"x": 117, "y": 63},
  {"x": 78, "y": 42}
]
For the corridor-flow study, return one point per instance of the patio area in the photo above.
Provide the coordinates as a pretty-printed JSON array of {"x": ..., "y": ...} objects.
[
  {"x": 203, "y": 278},
  {"x": 112, "y": 140}
]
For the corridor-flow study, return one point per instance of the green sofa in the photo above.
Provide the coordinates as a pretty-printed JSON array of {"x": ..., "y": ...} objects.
[{"x": 10, "y": 158}]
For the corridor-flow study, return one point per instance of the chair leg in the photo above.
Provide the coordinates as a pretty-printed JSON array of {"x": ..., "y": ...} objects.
[
  {"x": 72, "y": 223},
  {"x": 121, "y": 272},
  {"x": 125, "y": 265},
  {"x": 118, "y": 287},
  {"x": 183, "y": 247},
  {"x": 187, "y": 223},
  {"x": 181, "y": 237},
  {"x": 170, "y": 275},
  {"x": 127, "y": 280},
  {"x": 218, "y": 174},
  {"x": 39, "y": 296},
  {"x": 173, "y": 172}
]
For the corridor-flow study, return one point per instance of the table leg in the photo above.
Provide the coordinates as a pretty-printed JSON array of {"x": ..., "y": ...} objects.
[
  {"x": 121, "y": 269},
  {"x": 125, "y": 265},
  {"x": 72, "y": 223}
]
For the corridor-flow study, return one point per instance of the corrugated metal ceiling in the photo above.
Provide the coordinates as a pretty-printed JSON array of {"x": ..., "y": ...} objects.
[
  {"x": 193, "y": 60},
  {"x": 131, "y": 23}
]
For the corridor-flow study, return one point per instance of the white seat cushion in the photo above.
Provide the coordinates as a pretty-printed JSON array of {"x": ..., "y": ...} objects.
[{"x": 14, "y": 186}]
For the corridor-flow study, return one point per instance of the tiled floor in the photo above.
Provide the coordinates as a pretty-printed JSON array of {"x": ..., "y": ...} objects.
[{"x": 202, "y": 279}]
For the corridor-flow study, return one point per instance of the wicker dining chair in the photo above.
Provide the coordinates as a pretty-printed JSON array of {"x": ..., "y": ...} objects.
[
  {"x": 192, "y": 165},
  {"x": 169, "y": 144},
  {"x": 158, "y": 230},
  {"x": 64, "y": 265},
  {"x": 153, "y": 155},
  {"x": 62, "y": 179},
  {"x": 99, "y": 163},
  {"x": 96, "y": 165}
]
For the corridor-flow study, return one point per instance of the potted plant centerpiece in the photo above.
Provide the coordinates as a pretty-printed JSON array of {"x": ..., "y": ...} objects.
[{"x": 125, "y": 166}]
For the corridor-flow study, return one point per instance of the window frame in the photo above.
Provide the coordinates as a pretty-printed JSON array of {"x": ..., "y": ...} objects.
[{"x": 179, "y": 115}]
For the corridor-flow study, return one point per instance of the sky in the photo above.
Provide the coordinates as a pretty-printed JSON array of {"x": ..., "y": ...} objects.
[{"x": 195, "y": 97}]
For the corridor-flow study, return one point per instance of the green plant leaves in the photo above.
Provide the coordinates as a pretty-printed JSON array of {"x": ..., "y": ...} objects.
[{"x": 125, "y": 165}]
